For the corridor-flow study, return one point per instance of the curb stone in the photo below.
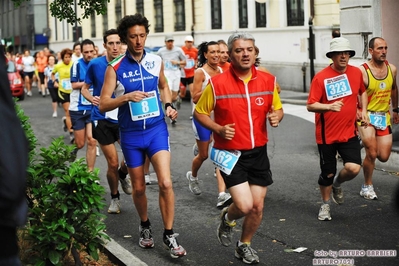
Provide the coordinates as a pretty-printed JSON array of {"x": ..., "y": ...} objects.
[{"x": 119, "y": 255}]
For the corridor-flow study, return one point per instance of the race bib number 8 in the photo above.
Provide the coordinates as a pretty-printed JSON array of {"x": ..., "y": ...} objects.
[
  {"x": 223, "y": 159},
  {"x": 337, "y": 87},
  {"x": 146, "y": 108}
]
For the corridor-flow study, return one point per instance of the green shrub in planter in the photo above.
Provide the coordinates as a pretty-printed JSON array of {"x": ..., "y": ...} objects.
[{"x": 65, "y": 201}]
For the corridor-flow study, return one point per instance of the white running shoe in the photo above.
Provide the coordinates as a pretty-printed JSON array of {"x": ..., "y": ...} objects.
[
  {"x": 126, "y": 185},
  {"x": 195, "y": 149},
  {"x": 193, "y": 184},
  {"x": 224, "y": 200},
  {"x": 147, "y": 179},
  {"x": 176, "y": 250},
  {"x": 367, "y": 192},
  {"x": 115, "y": 205},
  {"x": 324, "y": 213}
]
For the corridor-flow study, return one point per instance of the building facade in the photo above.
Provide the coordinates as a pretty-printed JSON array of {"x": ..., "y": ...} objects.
[
  {"x": 281, "y": 27},
  {"x": 25, "y": 27}
]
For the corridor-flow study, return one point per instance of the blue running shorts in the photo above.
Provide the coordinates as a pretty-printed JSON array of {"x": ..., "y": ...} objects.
[
  {"x": 137, "y": 144},
  {"x": 200, "y": 132}
]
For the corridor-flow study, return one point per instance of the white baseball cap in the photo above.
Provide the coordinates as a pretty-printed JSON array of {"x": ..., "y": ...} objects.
[{"x": 189, "y": 38}]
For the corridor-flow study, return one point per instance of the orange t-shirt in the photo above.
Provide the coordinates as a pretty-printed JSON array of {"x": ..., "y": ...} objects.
[
  {"x": 41, "y": 63},
  {"x": 191, "y": 58},
  {"x": 225, "y": 66}
]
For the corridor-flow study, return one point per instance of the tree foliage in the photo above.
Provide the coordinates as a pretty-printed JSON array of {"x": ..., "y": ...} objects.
[{"x": 65, "y": 9}]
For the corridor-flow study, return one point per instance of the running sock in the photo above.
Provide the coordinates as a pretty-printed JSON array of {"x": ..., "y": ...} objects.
[
  {"x": 240, "y": 243},
  {"x": 146, "y": 223},
  {"x": 228, "y": 221},
  {"x": 115, "y": 196},
  {"x": 327, "y": 201},
  {"x": 335, "y": 182},
  {"x": 168, "y": 232},
  {"x": 122, "y": 175},
  {"x": 222, "y": 193}
]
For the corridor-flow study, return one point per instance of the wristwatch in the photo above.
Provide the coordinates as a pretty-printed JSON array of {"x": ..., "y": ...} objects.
[{"x": 396, "y": 110}]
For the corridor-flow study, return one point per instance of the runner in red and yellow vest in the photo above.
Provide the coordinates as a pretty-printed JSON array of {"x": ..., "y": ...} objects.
[
  {"x": 243, "y": 100},
  {"x": 249, "y": 105}
]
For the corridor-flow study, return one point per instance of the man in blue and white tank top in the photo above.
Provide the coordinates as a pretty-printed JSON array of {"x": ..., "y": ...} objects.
[
  {"x": 105, "y": 128},
  {"x": 80, "y": 108},
  {"x": 138, "y": 81}
]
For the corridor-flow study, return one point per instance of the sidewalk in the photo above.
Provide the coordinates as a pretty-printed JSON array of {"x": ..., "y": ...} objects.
[{"x": 300, "y": 98}]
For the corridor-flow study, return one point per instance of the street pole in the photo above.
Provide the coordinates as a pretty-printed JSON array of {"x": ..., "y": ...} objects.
[
  {"x": 311, "y": 48},
  {"x": 76, "y": 22}
]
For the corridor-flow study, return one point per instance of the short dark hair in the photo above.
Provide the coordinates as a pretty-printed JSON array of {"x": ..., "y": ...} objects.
[
  {"x": 108, "y": 33},
  {"x": 129, "y": 21},
  {"x": 86, "y": 42},
  {"x": 372, "y": 41},
  {"x": 222, "y": 42},
  {"x": 75, "y": 44},
  {"x": 51, "y": 55},
  {"x": 336, "y": 33}
]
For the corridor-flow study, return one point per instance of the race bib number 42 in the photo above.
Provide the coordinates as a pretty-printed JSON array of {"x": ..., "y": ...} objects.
[
  {"x": 145, "y": 108},
  {"x": 223, "y": 159},
  {"x": 337, "y": 87}
]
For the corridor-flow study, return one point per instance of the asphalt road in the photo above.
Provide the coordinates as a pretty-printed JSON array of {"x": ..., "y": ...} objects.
[{"x": 290, "y": 215}]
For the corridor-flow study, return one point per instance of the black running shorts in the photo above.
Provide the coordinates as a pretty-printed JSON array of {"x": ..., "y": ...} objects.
[
  {"x": 253, "y": 167},
  {"x": 105, "y": 132}
]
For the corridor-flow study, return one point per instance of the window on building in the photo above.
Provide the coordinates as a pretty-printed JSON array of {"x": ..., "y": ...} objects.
[
  {"x": 243, "y": 13},
  {"x": 158, "y": 8},
  {"x": 93, "y": 25},
  {"x": 295, "y": 13},
  {"x": 140, "y": 6},
  {"x": 216, "y": 14},
  {"x": 105, "y": 21},
  {"x": 118, "y": 11},
  {"x": 260, "y": 15},
  {"x": 180, "y": 18}
]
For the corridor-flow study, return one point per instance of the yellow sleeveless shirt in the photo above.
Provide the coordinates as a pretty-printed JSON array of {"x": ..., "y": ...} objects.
[{"x": 379, "y": 90}]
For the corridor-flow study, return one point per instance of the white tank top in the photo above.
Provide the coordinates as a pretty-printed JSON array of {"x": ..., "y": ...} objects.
[{"x": 207, "y": 77}]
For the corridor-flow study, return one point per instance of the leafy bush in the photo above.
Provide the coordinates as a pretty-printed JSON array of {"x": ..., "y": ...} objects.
[{"x": 65, "y": 201}]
